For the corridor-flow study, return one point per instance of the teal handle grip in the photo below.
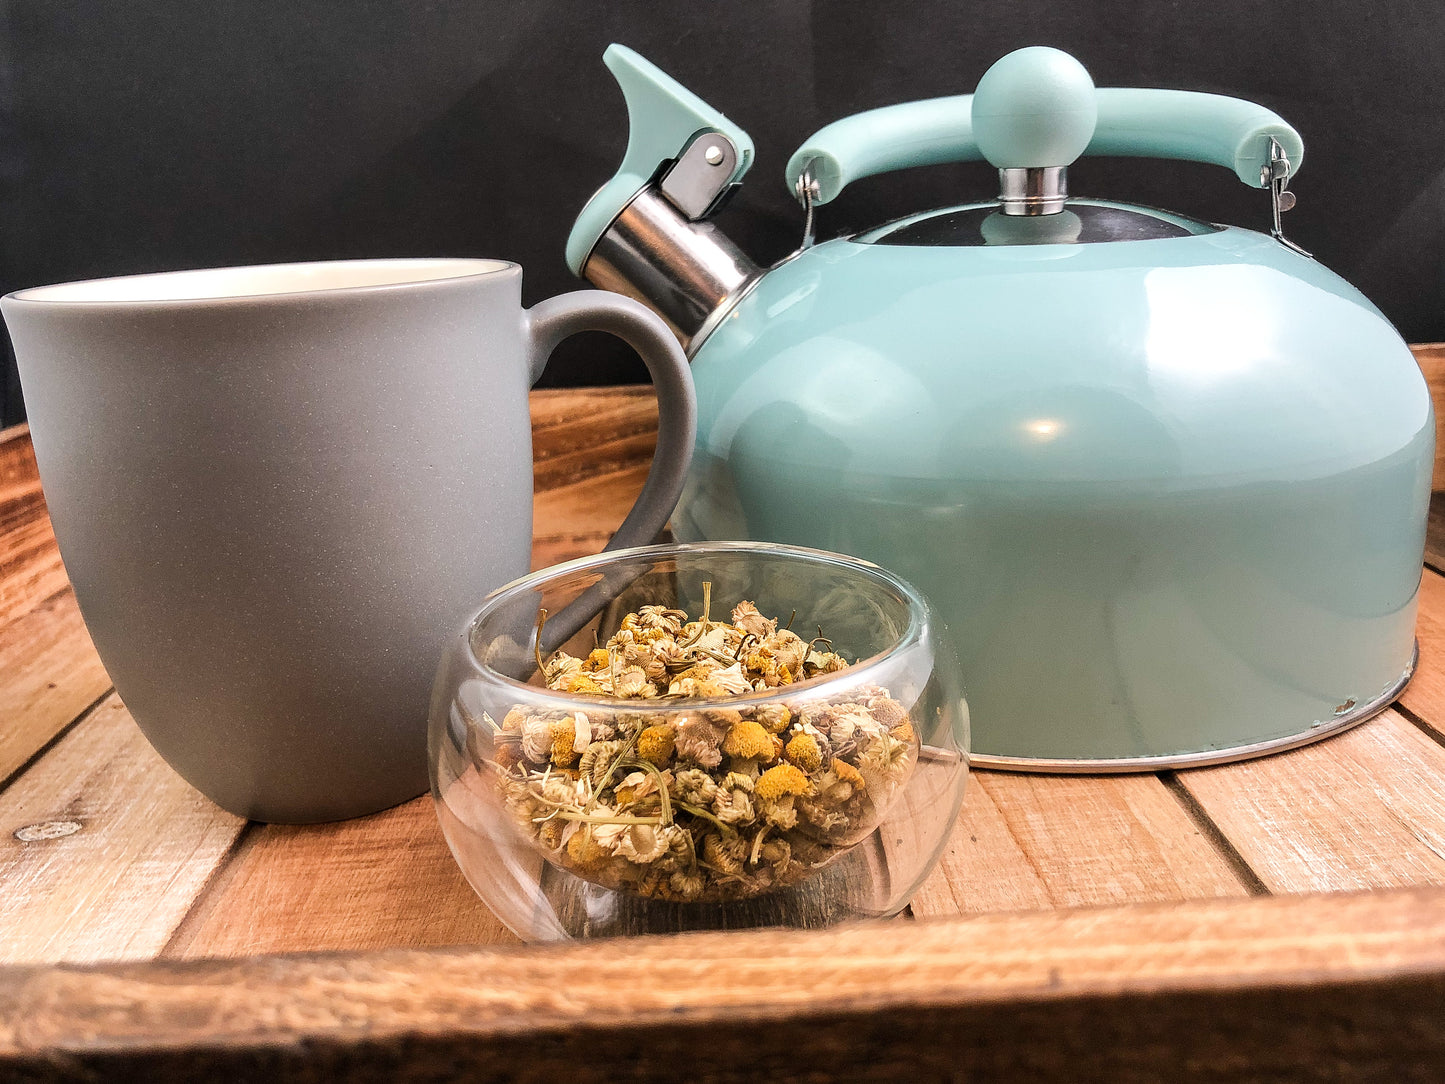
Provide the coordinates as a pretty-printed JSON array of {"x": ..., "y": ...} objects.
[
  {"x": 1193, "y": 127},
  {"x": 1136, "y": 123},
  {"x": 662, "y": 116},
  {"x": 926, "y": 133}
]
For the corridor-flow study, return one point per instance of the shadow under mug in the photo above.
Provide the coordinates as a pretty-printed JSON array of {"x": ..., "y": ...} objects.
[{"x": 278, "y": 490}]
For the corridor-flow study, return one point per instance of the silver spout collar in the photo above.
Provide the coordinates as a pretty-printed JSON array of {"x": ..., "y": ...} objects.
[
  {"x": 684, "y": 271},
  {"x": 1033, "y": 191}
]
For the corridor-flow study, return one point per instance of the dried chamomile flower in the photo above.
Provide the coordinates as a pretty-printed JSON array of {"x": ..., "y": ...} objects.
[
  {"x": 846, "y": 774},
  {"x": 633, "y": 681},
  {"x": 784, "y": 779},
  {"x": 725, "y": 853},
  {"x": 695, "y": 786},
  {"x": 803, "y": 750},
  {"x": 747, "y": 740},
  {"x": 641, "y": 843},
  {"x": 686, "y": 885},
  {"x": 537, "y": 739},
  {"x": 774, "y": 718},
  {"x": 747, "y": 618},
  {"x": 682, "y": 801},
  {"x": 732, "y": 805},
  {"x": 585, "y": 684},
  {"x": 598, "y": 760},
  {"x": 699, "y": 740},
  {"x": 659, "y": 617},
  {"x": 656, "y": 744},
  {"x": 564, "y": 740}
]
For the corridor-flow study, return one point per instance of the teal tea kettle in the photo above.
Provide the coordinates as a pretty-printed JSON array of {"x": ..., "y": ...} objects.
[{"x": 1165, "y": 480}]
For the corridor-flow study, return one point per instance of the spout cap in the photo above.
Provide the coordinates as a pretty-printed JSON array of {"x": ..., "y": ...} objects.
[
  {"x": 1033, "y": 109},
  {"x": 663, "y": 117}
]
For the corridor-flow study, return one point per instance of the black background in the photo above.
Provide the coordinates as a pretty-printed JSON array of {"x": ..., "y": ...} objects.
[{"x": 160, "y": 134}]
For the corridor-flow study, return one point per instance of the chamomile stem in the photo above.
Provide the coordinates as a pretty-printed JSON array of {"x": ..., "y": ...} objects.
[
  {"x": 537, "y": 644},
  {"x": 602, "y": 818},
  {"x": 622, "y": 754},
  {"x": 652, "y": 770},
  {"x": 698, "y": 811},
  {"x": 758, "y": 845}
]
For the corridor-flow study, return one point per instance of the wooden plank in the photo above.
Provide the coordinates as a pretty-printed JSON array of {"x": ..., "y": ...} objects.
[
  {"x": 983, "y": 867},
  {"x": 1425, "y": 695},
  {"x": 1431, "y": 358},
  {"x": 49, "y": 671},
  {"x": 1072, "y": 841},
  {"x": 382, "y": 881},
  {"x": 1435, "y": 533},
  {"x": 1284, "y": 989},
  {"x": 581, "y": 517},
  {"x": 582, "y": 433},
  {"x": 1365, "y": 809},
  {"x": 592, "y": 448},
  {"x": 49, "y": 674},
  {"x": 141, "y": 844},
  {"x": 30, "y": 568}
]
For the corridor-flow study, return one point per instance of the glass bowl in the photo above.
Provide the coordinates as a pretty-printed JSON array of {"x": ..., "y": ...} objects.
[{"x": 709, "y": 804}]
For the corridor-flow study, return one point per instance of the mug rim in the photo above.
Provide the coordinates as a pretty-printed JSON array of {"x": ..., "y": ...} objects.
[{"x": 297, "y": 279}]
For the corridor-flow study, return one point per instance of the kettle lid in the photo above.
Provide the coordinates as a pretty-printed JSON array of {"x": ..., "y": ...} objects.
[{"x": 1079, "y": 222}]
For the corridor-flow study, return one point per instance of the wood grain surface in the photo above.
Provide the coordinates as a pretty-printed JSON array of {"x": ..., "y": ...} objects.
[
  {"x": 1072, "y": 841},
  {"x": 1365, "y": 809},
  {"x": 30, "y": 568},
  {"x": 49, "y": 675},
  {"x": 370, "y": 883},
  {"x": 1280, "y": 989},
  {"x": 141, "y": 844},
  {"x": 1424, "y": 697},
  {"x": 49, "y": 672},
  {"x": 591, "y": 454},
  {"x": 1431, "y": 359}
]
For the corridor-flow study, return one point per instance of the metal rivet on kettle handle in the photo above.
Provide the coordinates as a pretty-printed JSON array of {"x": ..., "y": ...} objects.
[
  {"x": 806, "y": 191},
  {"x": 1275, "y": 176}
]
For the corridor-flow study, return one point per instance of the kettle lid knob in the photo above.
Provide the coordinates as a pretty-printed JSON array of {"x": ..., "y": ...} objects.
[{"x": 1033, "y": 109}]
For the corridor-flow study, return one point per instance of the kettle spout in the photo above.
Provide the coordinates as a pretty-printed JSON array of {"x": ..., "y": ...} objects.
[
  {"x": 645, "y": 233},
  {"x": 689, "y": 273}
]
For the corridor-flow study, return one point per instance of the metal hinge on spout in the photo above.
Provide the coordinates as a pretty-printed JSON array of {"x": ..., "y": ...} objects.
[{"x": 697, "y": 182}]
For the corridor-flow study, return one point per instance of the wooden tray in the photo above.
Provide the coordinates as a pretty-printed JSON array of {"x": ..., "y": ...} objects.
[{"x": 1278, "y": 919}]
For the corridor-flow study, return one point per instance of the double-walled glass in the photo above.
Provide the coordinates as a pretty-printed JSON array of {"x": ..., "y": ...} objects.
[{"x": 526, "y": 842}]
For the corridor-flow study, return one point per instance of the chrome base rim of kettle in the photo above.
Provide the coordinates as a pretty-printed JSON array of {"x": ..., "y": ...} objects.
[{"x": 1208, "y": 757}]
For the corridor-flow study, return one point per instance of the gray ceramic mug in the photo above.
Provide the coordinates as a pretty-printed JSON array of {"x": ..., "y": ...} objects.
[{"x": 277, "y": 490}]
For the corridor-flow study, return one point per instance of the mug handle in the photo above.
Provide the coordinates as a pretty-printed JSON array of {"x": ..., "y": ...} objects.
[{"x": 549, "y": 322}]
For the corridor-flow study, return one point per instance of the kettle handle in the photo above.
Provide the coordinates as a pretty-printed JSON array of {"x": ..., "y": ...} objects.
[{"x": 1132, "y": 122}]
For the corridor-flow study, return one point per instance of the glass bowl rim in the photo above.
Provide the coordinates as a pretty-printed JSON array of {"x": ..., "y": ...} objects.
[{"x": 920, "y": 615}]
